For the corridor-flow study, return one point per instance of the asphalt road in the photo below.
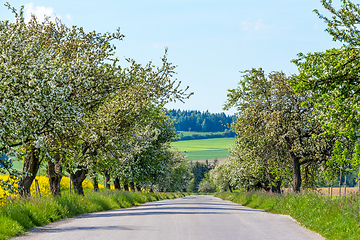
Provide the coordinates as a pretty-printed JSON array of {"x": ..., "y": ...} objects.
[{"x": 191, "y": 217}]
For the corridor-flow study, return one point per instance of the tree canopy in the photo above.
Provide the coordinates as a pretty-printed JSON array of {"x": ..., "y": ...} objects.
[
  {"x": 333, "y": 76},
  {"x": 66, "y": 100},
  {"x": 275, "y": 131}
]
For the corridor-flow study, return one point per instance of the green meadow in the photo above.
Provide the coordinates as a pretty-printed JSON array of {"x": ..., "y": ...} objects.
[{"x": 202, "y": 149}]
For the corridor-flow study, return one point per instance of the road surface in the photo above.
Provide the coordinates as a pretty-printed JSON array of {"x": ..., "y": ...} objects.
[{"x": 192, "y": 217}]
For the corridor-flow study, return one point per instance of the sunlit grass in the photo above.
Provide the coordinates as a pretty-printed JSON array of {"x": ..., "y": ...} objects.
[
  {"x": 332, "y": 218},
  {"x": 25, "y": 214}
]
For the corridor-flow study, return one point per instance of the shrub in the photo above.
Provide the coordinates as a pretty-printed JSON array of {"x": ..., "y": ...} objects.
[{"x": 206, "y": 187}]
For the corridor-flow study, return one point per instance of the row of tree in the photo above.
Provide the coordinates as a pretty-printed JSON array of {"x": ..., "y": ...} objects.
[
  {"x": 66, "y": 103},
  {"x": 190, "y": 120},
  {"x": 297, "y": 128},
  {"x": 196, "y": 135}
]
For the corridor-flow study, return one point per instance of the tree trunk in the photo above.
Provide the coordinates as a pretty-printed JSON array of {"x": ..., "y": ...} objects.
[
  {"x": 95, "y": 183},
  {"x": 132, "y": 186},
  {"x": 276, "y": 188},
  {"x": 77, "y": 179},
  {"x": 296, "y": 172},
  {"x": 126, "y": 187},
  {"x": 230, "y": 188},
  {"x": 138, "y": 188},
  {"x": 274, "y": 185},
  {"x": 107, "y": 180},
  {"x": 54, "y": 172},
  {"x": 117, "y": 184},
  {"x": 30, "y": 169}
]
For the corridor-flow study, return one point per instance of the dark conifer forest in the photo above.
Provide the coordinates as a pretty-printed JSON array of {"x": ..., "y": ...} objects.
[{"x": 196, "y": 121}]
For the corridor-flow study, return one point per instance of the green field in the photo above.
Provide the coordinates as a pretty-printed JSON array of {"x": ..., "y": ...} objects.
[
  {"x": 17, "y": 165},
  {"x": 205, "y": 148}
]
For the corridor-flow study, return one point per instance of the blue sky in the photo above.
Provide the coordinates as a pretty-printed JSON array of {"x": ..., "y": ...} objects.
[{"x": 210, "y": 41}]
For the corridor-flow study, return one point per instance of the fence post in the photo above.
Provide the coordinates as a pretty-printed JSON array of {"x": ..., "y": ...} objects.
[
  {"x": 331, "y": 187},
  {"x": 289, "y": 187},
  {"x": 37, "y": 187},
  {"x": 340, "y": 184},
  {"x": 359, "y": 179},
  {"x": 345, "y": 187}
]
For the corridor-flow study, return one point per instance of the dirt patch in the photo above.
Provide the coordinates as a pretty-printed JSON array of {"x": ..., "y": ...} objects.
[
  {"x": 335, "y": 191},
  {"x": 326, "y": 191}
]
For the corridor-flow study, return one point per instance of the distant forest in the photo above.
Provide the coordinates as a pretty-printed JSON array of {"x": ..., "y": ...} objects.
[{"x": 196, "y": 121}]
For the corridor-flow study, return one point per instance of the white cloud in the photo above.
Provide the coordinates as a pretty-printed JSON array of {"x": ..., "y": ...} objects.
[
  {"x": 246, "y": 25},
  {"x": 160, "y": 45},
  {"x": 68, "y": 17},
  {"x": 39, "y": 12},
  {"x": 255, "y": 25}
]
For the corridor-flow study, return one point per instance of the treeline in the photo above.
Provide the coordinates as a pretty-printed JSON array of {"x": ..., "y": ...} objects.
[
  {"x": 192, "y": 120},
  {"x": 194, "y": 136},
  {"x": 201, "y": 179}
]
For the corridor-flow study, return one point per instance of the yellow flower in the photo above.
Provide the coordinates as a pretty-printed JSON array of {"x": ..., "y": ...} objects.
[{"x": 42, "y": 183}]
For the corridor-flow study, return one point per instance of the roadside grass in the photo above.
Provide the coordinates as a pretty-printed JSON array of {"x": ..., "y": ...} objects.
[
  {"x": 202, "y": 149},
  {"x": 332, "y": 218},
  {"x": 22, "y": 215}
]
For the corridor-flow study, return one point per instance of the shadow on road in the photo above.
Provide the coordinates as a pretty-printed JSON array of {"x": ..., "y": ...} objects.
[
  {"x": 90, "y": 228},
  {"x": 156, "y": 210}
]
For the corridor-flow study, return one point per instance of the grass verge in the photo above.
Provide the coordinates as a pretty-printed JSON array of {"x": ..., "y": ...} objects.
[
  {"x": 331, "y": 218},
  {"x": 22, "y": 215}
]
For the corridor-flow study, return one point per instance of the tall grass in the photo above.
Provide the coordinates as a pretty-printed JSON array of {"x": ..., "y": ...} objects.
[
  {"x": 332, "y": 218},
  {"x": 25, "y": 214}
]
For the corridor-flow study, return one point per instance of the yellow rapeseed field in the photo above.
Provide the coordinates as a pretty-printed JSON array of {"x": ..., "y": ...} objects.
[{"x": 45, "y": 186}]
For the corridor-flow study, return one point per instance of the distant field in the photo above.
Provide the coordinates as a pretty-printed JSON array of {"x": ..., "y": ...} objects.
[
  {"x": 17, "y": 165},
  {"x": 199, "y": 149},
  {"x": 205, "y": 148},
  {"x": 335, "y": 190}
]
